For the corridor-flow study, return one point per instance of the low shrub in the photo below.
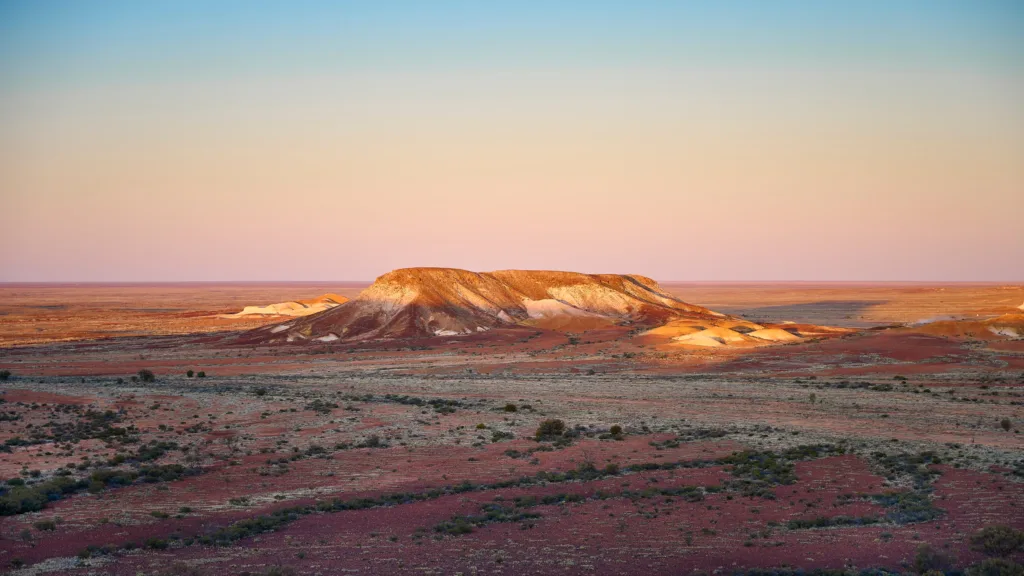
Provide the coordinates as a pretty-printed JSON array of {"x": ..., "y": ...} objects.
[
  {"x": 998, "y": 540},
  {"x": 928, "y": 559},
  {"x": 549, "y": 429},
  {"x": 908, "y": 507},
  {"x": 825, "y": 522},
  {"x": 372, "y": 441},
  {"x": 996, "y": 567},
  {"x": 20, "y": 498}
]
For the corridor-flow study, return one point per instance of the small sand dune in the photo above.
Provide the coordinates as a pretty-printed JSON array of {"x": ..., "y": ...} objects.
[
  {"x": 734, "y": 332},
  {"x": 294, "y": 308},
  {"x": 1008, "y": 325},
  {"x": 741, "y": 326},
  {"x": 677, "y": 328},
  {"x": 701, "y": 340},
  {"x": 774, "y": 335},
  {"x": 720, "y": 334},
  {"x": 1001, "y": 327}
]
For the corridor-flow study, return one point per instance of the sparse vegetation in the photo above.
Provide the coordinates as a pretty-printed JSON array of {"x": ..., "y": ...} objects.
[
  {"x": 998, "y": 540},
  {"x": 608, "y": 445},
  {"x": 321, "y": 406},
  {"x": 996, "y": 567},
  {"x": 928, "y": 559},
  {"x": 550, "y": 429}
]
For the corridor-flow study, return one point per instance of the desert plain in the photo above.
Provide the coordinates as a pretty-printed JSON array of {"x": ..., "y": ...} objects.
[{"x": 152, "y": 429}]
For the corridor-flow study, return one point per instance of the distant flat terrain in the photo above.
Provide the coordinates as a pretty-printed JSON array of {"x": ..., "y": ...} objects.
[
  {"x": 40, "y": 313},
  {"x": 47, "y": 313},
  {"x": 853, "y": 304}
]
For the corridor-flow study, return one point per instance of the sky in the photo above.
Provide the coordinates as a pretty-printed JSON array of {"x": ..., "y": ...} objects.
[{"x": 722, "y": 140}]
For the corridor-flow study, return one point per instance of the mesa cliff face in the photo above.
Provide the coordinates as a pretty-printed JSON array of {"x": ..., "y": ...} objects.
[{"x": 418, "y": 302}]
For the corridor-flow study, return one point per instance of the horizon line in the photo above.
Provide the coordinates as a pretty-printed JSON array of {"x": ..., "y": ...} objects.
[{"x": 222, "y": 282}]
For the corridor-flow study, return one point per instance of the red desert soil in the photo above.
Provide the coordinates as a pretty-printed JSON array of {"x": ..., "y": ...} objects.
[{"x": 866, "y": 419}]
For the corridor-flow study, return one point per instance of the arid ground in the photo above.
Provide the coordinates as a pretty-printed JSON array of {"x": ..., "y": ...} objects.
[{"x": 521, "y": 450}]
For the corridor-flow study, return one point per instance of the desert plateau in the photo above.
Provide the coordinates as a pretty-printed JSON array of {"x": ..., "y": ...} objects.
[{"x": 442, "y": 421}]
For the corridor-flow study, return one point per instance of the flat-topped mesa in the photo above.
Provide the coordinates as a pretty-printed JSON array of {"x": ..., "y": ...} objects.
[{"x": 418, "y": 302}]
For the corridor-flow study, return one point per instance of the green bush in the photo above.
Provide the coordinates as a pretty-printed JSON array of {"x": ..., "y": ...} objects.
[
  {"x": 998, "y": 540},
  {"x": 996, "y": 567},
  {"x": 510, "y": 407},
  {"x": 908, "y": 507},
  {"x": 615, "y": 430},
  {"x": 21, "y": 499},
  {"x": 549, "y": 429},
  {"x": 372, "y": 441},
  {"x": 5, "y": 375},
  {"x": 928, "y": 559},
  {"x": 189, "y": 373},
  {"x": 201, "y": 374},
  {"x": 498, "y": 436},
  {"x": 146, "y": 375},
  {"x": 108, "y": 477},
  {"x": 827, "y": 521}
]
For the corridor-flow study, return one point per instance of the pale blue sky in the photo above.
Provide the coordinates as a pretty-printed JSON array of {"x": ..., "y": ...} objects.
[
  {"x": 248, "y": 140},
  {"x": 97, "y": 41}
]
